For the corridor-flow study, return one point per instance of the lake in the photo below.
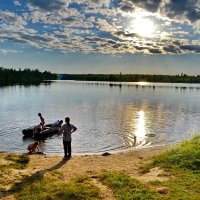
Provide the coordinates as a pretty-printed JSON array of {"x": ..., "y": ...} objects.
[{"x": 109, "y": 116}]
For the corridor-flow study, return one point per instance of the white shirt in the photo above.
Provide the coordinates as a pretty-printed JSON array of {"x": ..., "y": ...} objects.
[
  {"x": 55, "y": 123},
  {"x": 67, "y": 131}
]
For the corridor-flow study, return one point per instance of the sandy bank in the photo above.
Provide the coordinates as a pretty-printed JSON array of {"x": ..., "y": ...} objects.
[{"x": 91, "y": 165}]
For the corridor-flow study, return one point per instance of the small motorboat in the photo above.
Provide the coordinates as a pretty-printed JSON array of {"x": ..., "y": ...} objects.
[{"x": 48, "y": 131}]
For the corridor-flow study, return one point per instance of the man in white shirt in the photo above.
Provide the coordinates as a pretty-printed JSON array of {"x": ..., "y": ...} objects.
[
  {"x": 57, "y": 123},
  {"x": 67, "y": 129}
]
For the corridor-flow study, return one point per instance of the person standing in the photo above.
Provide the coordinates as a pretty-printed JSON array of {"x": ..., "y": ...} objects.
[
  {"x": 42, "y": 120},
  {"x": 67, "y": 129}
]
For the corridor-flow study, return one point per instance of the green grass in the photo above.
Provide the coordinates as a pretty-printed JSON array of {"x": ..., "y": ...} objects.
[
  {"x": 52, "y": 187},
  {"x": 7, "y": 177},
  {"x": 184, "y": 156},
  {"x": 2, "y": 189},
  {"x": 182, "y": 166},
  {"x": 126, "y": 188},
  {"x": 18, "y": 161},
  {"x": 184, "y": 185}
]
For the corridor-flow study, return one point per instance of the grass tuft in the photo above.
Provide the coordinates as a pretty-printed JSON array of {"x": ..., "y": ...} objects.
[
  {"x": 79, "y": 189},
  {"x": 184, "y": 156},
  {"x": 19, "y": 161},
  {"x": 126, "y": 188},
  {"x": 182, "y": 164}
]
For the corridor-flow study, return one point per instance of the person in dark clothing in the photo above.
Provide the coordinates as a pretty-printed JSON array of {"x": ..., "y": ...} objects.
[
  {"x": 41, "y": 120},
  {"x": 67, "y": 129}
]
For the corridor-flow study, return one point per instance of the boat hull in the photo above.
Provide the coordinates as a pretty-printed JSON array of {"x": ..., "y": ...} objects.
[{"x": 48, "y": 132}]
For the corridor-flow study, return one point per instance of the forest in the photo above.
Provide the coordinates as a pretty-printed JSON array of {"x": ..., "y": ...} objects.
[
  {"x": 182, "y": 78},
  {"x": 28, "y": 76},
  {"x": 25, "y": 77}
]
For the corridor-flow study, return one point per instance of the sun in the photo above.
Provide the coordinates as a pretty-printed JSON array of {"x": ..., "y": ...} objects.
[{"x": 142, "y": 26}]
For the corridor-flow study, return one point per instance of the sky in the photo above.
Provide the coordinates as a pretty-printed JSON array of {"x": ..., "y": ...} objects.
[{"x": 101, "y": 36}]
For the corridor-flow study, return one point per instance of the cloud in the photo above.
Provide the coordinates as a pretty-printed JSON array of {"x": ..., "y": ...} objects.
[
  {"x": 48, "y": 5},
  {"x": 11, "y": 18},
  {"x": 17, "y": 3},
  {"x": 171, "y": 49},
  {"x": 127, "y": 36},
  {"x": 102, "y": 26},
  {"x": 184, "y": 9},
  {"x": 150, "y": 5},
  {"x": 126, "y": 6},
  {"x": 155, "y": 51},
  {"x": 191, "y": 48},
  {"x": 8, "y": 51},
  {"x": 173, "y": 9}
]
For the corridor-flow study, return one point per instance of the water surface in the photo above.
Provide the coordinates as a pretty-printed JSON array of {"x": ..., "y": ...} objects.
[{"x": 109, "y": 116}]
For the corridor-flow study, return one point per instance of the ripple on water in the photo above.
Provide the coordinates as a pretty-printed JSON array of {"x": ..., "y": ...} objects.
[{"x": 107, "y": 118}]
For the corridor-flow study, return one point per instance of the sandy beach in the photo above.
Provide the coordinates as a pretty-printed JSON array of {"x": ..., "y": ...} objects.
[
  {"x": 89, "y": 165},
  {"x": 92, "y": 165}
]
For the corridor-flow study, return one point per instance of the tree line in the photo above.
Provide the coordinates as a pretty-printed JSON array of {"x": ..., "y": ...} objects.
[
  {"x": 182, "y": 78},
  {"x": 26, "y": 76}
]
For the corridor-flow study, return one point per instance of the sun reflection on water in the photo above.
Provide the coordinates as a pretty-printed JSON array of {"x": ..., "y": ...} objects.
[
  {"x": 142, "y": 84},
  {"x": 140, "y": 131}
]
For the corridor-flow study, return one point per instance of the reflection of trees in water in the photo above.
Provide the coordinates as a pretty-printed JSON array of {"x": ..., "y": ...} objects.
[
  {"x": 137, "y": 85},
  {"x": 183, "y": 78}
]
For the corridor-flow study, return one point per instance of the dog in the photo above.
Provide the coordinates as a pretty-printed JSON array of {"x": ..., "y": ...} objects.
[{"x": 33, "y": 147}]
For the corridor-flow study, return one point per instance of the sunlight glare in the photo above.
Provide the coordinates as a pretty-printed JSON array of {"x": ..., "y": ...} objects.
[
  {"x": 142, "y": 26},
  {"x": 140, "y": 131},
  {"x": 142, "y": 83}
]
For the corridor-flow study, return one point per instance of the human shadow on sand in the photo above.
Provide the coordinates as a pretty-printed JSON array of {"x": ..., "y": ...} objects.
[{"x": 39, "y": 175}]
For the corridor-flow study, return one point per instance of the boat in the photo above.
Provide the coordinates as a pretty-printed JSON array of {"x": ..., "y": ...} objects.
[{"x": 48, "y": 131}]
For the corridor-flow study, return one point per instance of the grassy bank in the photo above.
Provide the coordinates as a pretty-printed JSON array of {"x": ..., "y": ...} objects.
[
  {"x": 182, "y": 165},
  {"x": 53, "y": 187},
  {"x": 106, "y": 177}
]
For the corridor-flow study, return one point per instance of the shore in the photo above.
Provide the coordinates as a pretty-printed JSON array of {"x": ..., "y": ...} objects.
[
  {"x": 88, "y": 165},
  {"x": 92, "y": 165}
]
